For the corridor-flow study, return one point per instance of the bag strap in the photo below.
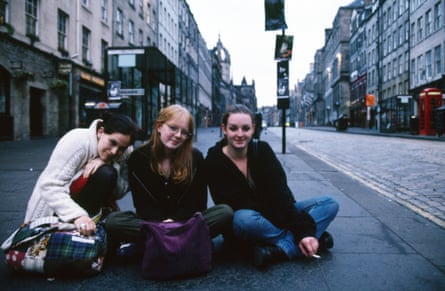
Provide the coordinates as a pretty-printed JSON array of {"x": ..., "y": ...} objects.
[{"x": 144, "y": 188}]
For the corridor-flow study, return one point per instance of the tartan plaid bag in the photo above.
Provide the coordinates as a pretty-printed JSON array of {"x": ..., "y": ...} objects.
[{"x": 52, "y": 247}]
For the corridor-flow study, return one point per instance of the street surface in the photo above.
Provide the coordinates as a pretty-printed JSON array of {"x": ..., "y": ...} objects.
[
  {"x": 379, "y": 244},
  {"x": 408, "y": 171}
]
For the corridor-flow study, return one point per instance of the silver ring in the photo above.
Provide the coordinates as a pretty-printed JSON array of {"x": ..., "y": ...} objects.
[{"x": 82, "y": 225}]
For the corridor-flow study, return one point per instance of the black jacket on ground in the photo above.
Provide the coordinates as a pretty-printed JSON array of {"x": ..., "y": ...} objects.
[
  {"x": 270, "y": 195},
  {"x": 158, "y": 198}
]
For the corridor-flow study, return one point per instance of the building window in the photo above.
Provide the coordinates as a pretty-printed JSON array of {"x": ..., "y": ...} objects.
[
  {"x": 401, "y": 7},
  {"x": 141, "y": 38},
  {"x": 429, "y": 64},
  {"x": 438, "y": 15},
  {"x": 31, "y": 17},
  {"x": 413, "y": 72},
  {"x": 131, "y": 32},
  {"x": 407, "y": 30},
  {"x": 385, "y": 76},
  {"x": 389, "y": 71},
  {"x": 4, "y": 16},
  {"x": 141, "y": 9},
  {"x": 401, "y": 35},
  {"x": 62, "y": 23},
  {"x": 420, "y": 28},
  {"x": 401, "y": 64},
  {"x": 406, "y": 61},
  {"x": 86, "y": 57},
  {"x": 104, "y": 10},
  {"x": 103, "y": 53},
  {"x": 394, "y": 39},
  {"x": 384, "y": 46},
  {"x": 428, "y": 22},
  {"x": 119, "y": 25},
  {"x": 420, "y": 68},
  {"x": 437, "y": 60},
  {"x": 147, "y": 15}
]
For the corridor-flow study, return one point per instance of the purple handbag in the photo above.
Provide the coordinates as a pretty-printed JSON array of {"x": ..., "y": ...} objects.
[{"x": 178, "y": 249}]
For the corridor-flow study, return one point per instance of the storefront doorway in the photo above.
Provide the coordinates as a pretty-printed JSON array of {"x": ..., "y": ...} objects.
[{"x": 36, "y": 112}]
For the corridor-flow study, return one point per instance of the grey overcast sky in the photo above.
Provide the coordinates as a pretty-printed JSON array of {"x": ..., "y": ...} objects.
[{"x": 241, "y": 26}]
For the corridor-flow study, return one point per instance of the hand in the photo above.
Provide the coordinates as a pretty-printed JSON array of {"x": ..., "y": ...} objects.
[
  {"x": 85, "y": 225},
  {"x": 92, "y": 166},
  {"x": 308, "y": 246}
]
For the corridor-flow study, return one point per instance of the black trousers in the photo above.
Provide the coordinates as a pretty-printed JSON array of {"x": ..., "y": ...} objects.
[
  {"x": 98, "y": 191},
  {"x": 126, "y": 225}
]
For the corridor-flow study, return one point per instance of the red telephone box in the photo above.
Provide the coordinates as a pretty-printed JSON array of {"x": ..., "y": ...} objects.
[{"x": 429, "y": 99}]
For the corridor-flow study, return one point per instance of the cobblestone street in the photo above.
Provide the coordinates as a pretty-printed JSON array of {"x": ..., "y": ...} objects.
[{"x": 408, "y": 171}]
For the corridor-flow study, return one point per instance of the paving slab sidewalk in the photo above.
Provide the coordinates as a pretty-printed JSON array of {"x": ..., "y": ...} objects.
[{"x": 379, "y": 245}]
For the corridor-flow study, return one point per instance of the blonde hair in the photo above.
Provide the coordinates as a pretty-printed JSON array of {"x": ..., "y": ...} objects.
[{"x": 181, "y": 161}]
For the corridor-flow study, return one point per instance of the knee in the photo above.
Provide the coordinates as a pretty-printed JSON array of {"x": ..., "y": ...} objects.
[
  {"x": 226, "y": 212},
  {"x": 110, "y": 221},
  {"x": 105, "y": 174},
  {"x": 115, "y": 219},
  {"x": 244, "y": 216},
  {"x": 332, "y": 205}
]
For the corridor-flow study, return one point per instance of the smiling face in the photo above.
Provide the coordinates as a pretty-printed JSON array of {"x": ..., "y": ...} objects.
[
  {"x": 238, "y": 130},
  {"x": 174, "y": 132},
  {"x": 111, "y": 146}
]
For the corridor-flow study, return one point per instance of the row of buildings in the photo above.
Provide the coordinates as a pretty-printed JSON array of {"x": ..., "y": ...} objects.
[
  {"x": 388, "y": 50},
  {"x": 64, "y": 62}
]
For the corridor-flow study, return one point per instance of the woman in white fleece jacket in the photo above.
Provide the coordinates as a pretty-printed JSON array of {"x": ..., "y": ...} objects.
[{"x": 86, "y": 171}]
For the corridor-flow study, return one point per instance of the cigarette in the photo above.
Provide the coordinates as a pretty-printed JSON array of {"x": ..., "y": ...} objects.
[{"x": 315, "y": 256}]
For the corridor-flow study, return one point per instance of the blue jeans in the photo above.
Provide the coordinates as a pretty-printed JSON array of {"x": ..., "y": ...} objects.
[{"x": 251, "y": 226}]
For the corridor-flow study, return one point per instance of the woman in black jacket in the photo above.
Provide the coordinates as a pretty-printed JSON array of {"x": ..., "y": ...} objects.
[
  {"x": 248, "y": 177},
  {"x": 167, "y": 180}
]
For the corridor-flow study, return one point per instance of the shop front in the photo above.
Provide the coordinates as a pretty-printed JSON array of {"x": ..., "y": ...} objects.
[
  {"x": 147, "y": 82},
  {"x": 396, "y": 113}
]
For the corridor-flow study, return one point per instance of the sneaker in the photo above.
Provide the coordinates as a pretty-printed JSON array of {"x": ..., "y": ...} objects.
[
  {"x": 266, "y": 255},
  {"x": 126, "y": 249},
  {"x": 326, "y": 241}
]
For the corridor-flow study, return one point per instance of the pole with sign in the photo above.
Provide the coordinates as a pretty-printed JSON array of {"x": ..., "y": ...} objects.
[
  {"x": 283, "y": 96},
  {"x": 275, "y": 20}
]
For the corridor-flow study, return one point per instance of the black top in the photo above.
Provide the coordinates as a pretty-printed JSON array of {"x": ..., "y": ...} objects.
[
  {"x": 158, "y": 198},
  {"x": 269, "y": 193}
]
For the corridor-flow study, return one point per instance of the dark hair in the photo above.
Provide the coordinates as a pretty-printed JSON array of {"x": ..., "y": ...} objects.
[
  {"x": 237, "y": 108},
  {"x": 120, "y": 123}
]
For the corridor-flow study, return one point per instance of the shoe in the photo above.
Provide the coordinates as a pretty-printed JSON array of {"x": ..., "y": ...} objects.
[
  {"x": 235, "y": 248},
  {"x": 126, "y": 249},
  {"x": 129, "y": 252},
  {"x": 326, "y": 241},
  {"x": 265, "y": 255}
]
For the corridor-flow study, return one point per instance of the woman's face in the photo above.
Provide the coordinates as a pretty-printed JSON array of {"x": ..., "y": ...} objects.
[
  {"x": 239, "y": 130},
  {"x": 174, "y": 132},
  {"x": 111, "y": 146}
]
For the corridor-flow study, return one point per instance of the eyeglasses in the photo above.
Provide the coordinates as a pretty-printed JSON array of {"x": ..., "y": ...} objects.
[{"x": 175, "y": 130}]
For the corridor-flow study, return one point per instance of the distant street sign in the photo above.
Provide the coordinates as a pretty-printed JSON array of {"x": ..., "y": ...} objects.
[
  {"x": 64, "y": 68},
  {"x": 133, "y": 92},
  {"x": 404, "y": 98}
]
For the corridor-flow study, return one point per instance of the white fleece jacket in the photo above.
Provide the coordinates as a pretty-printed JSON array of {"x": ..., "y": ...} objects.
[{"x": 51, "y": 193}]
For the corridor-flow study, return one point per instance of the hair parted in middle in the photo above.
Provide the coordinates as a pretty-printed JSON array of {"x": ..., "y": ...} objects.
[
  {"x": 181, "y": 160},
  {"x": 237, "y": 108}
]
